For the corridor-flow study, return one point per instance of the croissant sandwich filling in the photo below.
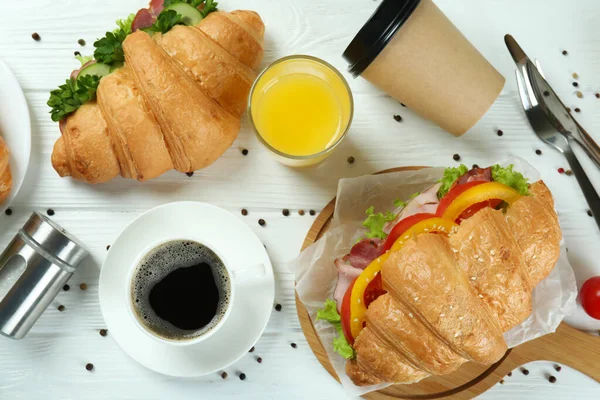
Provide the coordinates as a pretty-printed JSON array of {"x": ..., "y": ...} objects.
[{"x": 437, "y": 281}]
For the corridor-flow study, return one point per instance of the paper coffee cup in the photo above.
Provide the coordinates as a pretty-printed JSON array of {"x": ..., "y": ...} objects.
[{"x": 412, "y": 51}]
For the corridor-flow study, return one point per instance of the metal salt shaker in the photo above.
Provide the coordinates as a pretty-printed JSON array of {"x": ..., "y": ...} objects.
[{"x": 33, "y": 269}]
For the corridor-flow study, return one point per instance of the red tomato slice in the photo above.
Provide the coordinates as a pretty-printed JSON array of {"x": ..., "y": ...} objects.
[
  {"x": 590, "y": 297},
  {"x": 453, "y": 194},
  {"x": 469, "y": 212},
  {"x": 402, "y": 226},
  {"x": 345, "y": 314},
  {"x": 374, "y": 290}
]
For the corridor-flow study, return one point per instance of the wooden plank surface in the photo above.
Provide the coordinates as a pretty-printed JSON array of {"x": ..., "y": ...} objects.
[{"x": 50, "y": 362}]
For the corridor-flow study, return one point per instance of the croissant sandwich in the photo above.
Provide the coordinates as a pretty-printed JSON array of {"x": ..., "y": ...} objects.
[
  {"x": 438, "y": 281},
  {"x": 5, "y": 175},
  {"x": 165, "y": 90}
]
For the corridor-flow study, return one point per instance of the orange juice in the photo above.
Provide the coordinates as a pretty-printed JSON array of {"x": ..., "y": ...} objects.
[{"x": 300, "y": 108}]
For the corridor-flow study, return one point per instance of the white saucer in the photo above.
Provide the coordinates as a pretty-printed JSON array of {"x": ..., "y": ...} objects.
[
  {"x": 15, "y": 128},
  {"x": 236, "y": 244}
]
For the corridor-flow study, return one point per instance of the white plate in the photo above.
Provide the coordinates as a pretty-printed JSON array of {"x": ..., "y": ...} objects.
[
  {"x": 15, "y": 128},
  {"x": 235, "y": 243}
]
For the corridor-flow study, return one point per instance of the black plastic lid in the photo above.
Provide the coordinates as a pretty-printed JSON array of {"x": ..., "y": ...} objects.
[{"x": 377, "y": 32}]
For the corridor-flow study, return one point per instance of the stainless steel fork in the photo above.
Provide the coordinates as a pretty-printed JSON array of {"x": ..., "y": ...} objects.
[{"x": 542, "y": 108}]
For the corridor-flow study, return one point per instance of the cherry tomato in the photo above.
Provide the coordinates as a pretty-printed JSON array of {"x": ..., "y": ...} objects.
[
  {"x": 590, "y": 297},
  {"x": 345, "y": 314},
  {"x": 402, "y": 227}
]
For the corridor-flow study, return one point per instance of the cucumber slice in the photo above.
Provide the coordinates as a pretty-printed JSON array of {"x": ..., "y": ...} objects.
[
  {"x": 190, "y": 15},
  {"x": 95, "y": 69}
]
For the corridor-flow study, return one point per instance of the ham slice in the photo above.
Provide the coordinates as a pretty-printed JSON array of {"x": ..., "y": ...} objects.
[
  {"x": 156, "y": 7},
  {"x": 143, "y": 19},
  {"x": 352, "y": 265},
  {"x": 426, "y": 202},
  {"x": 474, "y": 175}
]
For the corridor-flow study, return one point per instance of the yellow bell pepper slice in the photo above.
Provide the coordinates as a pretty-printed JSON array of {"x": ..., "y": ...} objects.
[
  {"x": 478, "y": 194},
  {"x": 358, "y": 309}
]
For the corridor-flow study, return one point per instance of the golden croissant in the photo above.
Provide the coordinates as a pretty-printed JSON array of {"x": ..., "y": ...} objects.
[
  {"x": 176, "y": 103},
  {"x": 450, "y": 299},
  {"x": 5, "y": 175}
]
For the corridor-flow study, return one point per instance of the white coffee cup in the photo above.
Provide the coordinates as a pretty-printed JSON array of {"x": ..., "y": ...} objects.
[{"x": 235, "y": 277}]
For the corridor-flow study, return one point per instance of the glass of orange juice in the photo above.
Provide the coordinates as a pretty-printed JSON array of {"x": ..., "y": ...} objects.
[{"x": 300, "y": 108}]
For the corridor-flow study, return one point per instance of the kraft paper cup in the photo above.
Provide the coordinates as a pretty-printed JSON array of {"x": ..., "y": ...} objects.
[{"x": 412, "y": 51}]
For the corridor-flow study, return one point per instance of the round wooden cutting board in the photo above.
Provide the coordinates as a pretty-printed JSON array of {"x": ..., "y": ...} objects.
[{"x": 567, "y": 346}]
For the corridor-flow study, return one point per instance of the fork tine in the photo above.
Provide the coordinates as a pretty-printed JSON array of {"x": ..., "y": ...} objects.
[
  {"x": 538, "y": 65},
  {"x": 523, "y": 94}
]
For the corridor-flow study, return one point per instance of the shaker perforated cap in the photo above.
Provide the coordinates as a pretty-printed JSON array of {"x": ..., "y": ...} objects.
[
  {"x": 376, "y": 33},
  {"x": 54, "y": 240}
]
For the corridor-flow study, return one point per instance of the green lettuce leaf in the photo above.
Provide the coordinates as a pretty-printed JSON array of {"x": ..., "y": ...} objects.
[
  {"x": 375, "y": 222},
  {"x": 451, "y": 174},
  {"x": 511, "y": 178},
  {"x": 125, "y": 24},
  {"x": 400, "y": 203},
  {"x": 340, "y": 344}
]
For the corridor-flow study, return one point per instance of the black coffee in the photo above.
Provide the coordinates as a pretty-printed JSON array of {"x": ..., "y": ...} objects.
[{"x": 180, "y": 290}]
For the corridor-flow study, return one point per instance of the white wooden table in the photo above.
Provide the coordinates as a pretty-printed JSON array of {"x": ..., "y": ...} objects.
[{"x": 50, "y": 362}]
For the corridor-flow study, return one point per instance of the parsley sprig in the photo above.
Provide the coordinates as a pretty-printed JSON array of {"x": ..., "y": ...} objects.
[
  {"x": 72, "y": 95},
  {"x": 165, "y": 21}
]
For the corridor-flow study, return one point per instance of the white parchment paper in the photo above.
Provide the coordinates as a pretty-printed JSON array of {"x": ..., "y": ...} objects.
[{"x": 316, "y": 275}]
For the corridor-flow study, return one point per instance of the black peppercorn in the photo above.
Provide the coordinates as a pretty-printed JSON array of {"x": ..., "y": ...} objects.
[
  {"x": 546, "y": 93},
  {"x": 66, "y": 288},
  {"x": 244, "y": 211},
  {"x": 190, "y": 174},
  {"x": 398, "y": 118},
  {"x": 552, "y": 379},
  {"x": 575, "y": 84},
  {"x": 564, "y": 52},
  {"x": 538, "y": 152},
  {"x": 259, "y": 360},
  {"x": 89, "y": 366},
  {"x": 251, "y": 350},
  {"x": 245, "y": 152},
  {"x": 81, "y": 42},
  {"x": 500, "y": 133},
  {"x": 242, "y": 376},
  {"x": 525, "y": 371},
  {"x": 61, "y": 308},
  {"x": 509, "y": 374},
  {"x": 8, "y": 211},
  {"x": 35, "y": 36},
  {"x": 589, "y": 212},
  {"x": 76, "y": 53},
  {"x": 262, "y": 222},
  {"x": 103, "y": 332},
  {"x": 557, "y": 368},
  {"x": 224, "y": 375},
  {"x": 456, "y": 157},
  {"x": 294, "y": 345},
  {"x": 502, "y": 381},
  {"x": 577, "y": 110},
  {"x": 403, "y": 105},
  {"x": 475, "y": 166},
  {"x": 312, "y": 212},
  {"x": 50, "y": 212},
  {"x": 598, "y": 95},
  {"x": 350, "y": 160},
  {"x": 107, "y": 247},
  {"x": 278, "y": 307},
  {"x": 285, "y": 212}
]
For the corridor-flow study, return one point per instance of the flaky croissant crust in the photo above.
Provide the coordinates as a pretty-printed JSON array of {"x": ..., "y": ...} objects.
[
  {"x": 450, "y": 299},
  {"x": 176, "y": 103}
]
